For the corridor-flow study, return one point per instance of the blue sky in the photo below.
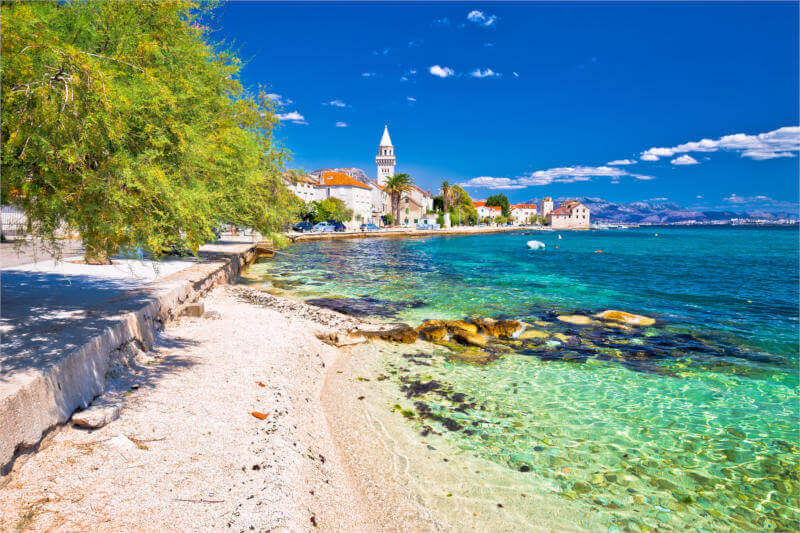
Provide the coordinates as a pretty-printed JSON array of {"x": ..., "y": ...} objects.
[{"x": 539, "y": 99}]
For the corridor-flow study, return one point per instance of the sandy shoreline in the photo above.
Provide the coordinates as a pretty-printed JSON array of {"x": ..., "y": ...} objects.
[{"x": 186, "y": 453}]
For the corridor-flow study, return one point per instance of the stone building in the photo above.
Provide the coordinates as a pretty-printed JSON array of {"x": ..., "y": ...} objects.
[{"x": 569, "y": 215}]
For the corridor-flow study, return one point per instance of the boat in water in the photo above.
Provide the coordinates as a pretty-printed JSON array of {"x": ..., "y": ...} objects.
[{"x": 536, "y": 245}]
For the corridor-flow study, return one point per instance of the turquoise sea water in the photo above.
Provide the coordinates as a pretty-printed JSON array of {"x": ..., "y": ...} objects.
[{"x": 689, "y": 424}]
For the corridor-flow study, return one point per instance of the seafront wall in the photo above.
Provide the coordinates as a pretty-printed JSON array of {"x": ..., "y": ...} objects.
[
  {"x": 33, "y": 400},
  {"x": 401, "y": 232}
]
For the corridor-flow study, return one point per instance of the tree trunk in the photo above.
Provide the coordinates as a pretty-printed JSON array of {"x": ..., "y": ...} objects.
[{"x": 94, "y": 256}]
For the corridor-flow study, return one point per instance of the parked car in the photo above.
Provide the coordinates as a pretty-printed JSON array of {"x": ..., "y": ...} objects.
[
  {"x": 369, "y": 227},
  {"x": 338, "y": 226},
  {"x": 303, "y": 226},
  {"x": 323, "y": 227},
  {"x": 428, "y": 226}
]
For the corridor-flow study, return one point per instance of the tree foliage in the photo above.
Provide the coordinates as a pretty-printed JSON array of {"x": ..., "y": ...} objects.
[
  {"x": 500, "y": 200},
  {"x": 121, "y": 121},
  {"x": 329, "y": 209},
  {"x": 462, "y": 210},
  {"x": 396, "y": 186}
]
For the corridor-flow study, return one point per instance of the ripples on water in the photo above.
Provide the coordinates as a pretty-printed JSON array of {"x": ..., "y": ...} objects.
[{"x": 701, "y": 433}]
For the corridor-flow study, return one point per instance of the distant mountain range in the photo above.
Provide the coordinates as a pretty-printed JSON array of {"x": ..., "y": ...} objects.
[{"x": 662, "y": 212}]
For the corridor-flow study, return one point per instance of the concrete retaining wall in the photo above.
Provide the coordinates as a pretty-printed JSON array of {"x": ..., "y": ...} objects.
[{"x": 42, "y": 399}]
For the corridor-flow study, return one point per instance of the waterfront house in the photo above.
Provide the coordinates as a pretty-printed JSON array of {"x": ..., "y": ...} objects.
[
  {"x": 523, "y": 213},
  {"x": 569, "y": 215},
  {"x": 484, "y": 211},
  {"x": 304, "y": 187},
  {"x": 355, "y": 194}
]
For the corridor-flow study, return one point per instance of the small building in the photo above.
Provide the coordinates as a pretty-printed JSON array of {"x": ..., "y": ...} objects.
[
  {"x": 569, "y": 215},
  {"x": 523, "y": 213},
  {"x": 355, "y": 194},
  {"x": 304, "y": 187},
  {"x": 410, "y": 211},
  {"x": 484, "y": 211}
]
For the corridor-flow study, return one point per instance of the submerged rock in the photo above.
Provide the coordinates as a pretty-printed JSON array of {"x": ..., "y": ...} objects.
[
  {"x": 578, "y": 320},
  {"x": 626, "y": 318},
  {"x": 533, "y": 334},
  {"x": 467, "y": 337},
  {"x": 473, "y": 356}
]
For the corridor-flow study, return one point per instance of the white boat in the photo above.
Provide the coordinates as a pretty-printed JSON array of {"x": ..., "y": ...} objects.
[{"x": 536, "y": 245}]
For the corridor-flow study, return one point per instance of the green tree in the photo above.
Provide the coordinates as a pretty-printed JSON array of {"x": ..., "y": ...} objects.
[
  {"x": 123, "y": 122},
  {"x": 500, "y": 200},
  {"x": 396, "y": 186},
  {"x": 330, "y": 209},
  {"x": 462, "y": 209}
]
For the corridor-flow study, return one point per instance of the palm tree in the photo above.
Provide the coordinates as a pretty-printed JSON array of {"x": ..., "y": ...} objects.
[
  {"x": 395, "y": 186},
  {"x": 446, "y": 191}
]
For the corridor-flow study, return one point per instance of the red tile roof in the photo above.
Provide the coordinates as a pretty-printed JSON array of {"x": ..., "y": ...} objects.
[
  {"x": 480, "y": 203},
  {"x": 523, "y": 206},
  {"x": 334, "y": 179},
  {"x": 560, "y": 211}
]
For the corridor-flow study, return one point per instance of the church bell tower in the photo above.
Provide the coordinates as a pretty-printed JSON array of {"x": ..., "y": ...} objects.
[{"x": 385, "y": 158}]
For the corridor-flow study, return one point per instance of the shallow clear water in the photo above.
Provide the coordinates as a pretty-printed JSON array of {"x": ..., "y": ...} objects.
[{"x": 691, "y": 423}]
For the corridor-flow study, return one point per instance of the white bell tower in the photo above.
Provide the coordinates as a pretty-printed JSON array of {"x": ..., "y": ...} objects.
[{"x": 385, "y": 158}]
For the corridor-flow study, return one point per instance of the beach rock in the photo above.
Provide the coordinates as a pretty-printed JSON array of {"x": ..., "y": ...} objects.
[
  {"x": 503, "y": 329},
  {"x": 473, "y": 356},
  {"x": 626, "y": 318},
  {"x": 533, "y": 334},
  {"x": 402, "y": 333},
  {"x": 454, "y": 325},
  {"x": 340, "y": 338},
  {"x": 467, "y": 337},
  {"x": 96, "y": 417},
  {"x": 432, "y": 333},
  {"x": 578, "y": 320},
  {"x": 431, "y": 322},
  {"x": 569, "y": 340}
]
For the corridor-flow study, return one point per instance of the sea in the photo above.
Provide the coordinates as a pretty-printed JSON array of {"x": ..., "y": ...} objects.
[{"x": 688, "y": 424}]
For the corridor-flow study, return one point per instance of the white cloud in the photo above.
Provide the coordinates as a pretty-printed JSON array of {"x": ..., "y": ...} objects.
[
  {"x": 733, "y": 199},
  {"x": 293, "y": 116},
  {"x": 515, "y": 74},
  {"x": 279, "y": 100},
  {"x": 699, "y": 196},
  {"x": 684, "y": 160},
  {"x": 442, "y": 72},
  {"x": 335, "y": 103},
  {"x": 782, "y": 142},
  {"x": 411, "y": 99},
  {"x": 553, "y": 175},
  {"x": 480, "y": 18},
  {"x": 489, "y": 182},
  {"x": 621, "y": 162},
  {"x": 408, "y": 75},
  {"x": 486, "y": 73},
  {"x": 660, "y": 199},
  {"x": 341, "y": 124},
  {"x": 367, "y": 74}
]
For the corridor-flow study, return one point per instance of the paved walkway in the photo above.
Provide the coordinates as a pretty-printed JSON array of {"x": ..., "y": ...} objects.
[{"x": 51, "y": 311}]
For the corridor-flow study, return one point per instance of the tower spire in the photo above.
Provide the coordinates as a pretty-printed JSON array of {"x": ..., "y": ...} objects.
[{"x": 385, "y": 159}]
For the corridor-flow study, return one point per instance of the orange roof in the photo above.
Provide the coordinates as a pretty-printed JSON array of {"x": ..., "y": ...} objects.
[
  {"x": 560, "y": 211},
  {"x": 524, "y": 206},
  {"x": 480, "y": 203},
  {"x": 547, "y": 199},
  {"x": 334, "y": 179}
]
